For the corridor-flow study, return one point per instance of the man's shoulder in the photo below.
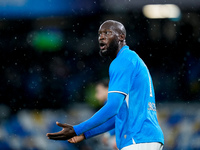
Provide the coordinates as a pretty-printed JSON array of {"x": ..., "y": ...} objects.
[
  {"x": 127, "y": 57},
  {"x": 121, "y": 64}
]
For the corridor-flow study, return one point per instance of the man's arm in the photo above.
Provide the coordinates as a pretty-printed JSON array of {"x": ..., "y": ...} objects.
[
  {"x": 108, "y": 125},
  {"x": 109, "y": 110}
]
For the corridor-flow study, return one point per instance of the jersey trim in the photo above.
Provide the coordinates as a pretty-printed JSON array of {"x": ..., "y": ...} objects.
[
  {"x": 133, "y": 141},
  {"x": 118, "y": 92},
  {"x": 127, "y": 100}
]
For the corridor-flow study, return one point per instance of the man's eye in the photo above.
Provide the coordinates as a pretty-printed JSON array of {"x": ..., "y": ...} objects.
[
  {"x": 108, "y": 32},
  {"x": 105, "y": 33}
]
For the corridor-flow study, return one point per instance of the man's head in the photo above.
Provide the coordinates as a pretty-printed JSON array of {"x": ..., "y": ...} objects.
[
  {"x": 112, "y": 36},
  {"x": 102, "y": 91}
]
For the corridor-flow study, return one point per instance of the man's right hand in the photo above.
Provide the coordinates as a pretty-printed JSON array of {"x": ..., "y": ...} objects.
[{"x": 66, "y": 133}]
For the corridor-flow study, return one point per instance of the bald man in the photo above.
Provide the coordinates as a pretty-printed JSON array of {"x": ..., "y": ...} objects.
[{"x": 130, "y": 107}]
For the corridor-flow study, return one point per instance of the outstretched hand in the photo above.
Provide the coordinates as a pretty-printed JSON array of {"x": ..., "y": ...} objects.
[{"x": 66, "y": 133}]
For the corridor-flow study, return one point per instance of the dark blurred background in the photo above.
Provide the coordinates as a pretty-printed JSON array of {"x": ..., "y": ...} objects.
[{"x": 49, "y": 56}]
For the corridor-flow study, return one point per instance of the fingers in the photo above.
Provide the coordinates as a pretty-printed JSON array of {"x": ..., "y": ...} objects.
[
  {"x": 62, "y": 137},
  {"x": 66, "y": 133},
  {"x": 61, "y": 125},
  {"x": 77, "y": 139},
  {"x": 72, "y": 140},
  {"x": 55, "y": 134},
  {"x": 58, "y": 136}
]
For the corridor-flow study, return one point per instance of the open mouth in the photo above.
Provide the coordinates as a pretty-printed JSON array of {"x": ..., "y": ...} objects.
[{"x": 102, "y": 46}]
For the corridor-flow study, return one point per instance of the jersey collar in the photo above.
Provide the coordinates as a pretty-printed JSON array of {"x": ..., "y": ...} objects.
[{"x": 122, "y": 49}]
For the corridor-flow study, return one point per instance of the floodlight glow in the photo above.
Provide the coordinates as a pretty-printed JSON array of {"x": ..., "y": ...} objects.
[{"x": 159, "y": 11}]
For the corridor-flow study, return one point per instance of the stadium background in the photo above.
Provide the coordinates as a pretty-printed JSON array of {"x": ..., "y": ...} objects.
[{"x": 49, "y": 65}]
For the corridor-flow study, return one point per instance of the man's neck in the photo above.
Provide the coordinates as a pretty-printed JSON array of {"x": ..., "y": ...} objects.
[{"x": 119, "y": 48}]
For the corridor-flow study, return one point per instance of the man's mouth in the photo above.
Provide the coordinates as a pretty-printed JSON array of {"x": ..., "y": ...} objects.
[{"x": 102, "y": 46}]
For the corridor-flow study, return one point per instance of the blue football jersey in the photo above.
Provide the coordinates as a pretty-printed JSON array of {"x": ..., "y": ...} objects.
[{"x": 136, "y": 121}]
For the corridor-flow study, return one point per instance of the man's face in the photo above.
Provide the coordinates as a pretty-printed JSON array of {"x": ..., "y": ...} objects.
[{"x": 108, "y": 40}]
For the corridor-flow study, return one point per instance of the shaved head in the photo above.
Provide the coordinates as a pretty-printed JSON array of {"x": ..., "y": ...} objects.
[{"x": 115, "y": 26}]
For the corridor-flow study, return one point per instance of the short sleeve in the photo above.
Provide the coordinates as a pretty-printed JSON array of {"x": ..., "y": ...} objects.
[{"x": 121, "y": 74}]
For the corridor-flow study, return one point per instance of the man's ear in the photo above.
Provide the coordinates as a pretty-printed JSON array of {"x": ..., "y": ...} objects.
[{"x": 121, "y": 37}]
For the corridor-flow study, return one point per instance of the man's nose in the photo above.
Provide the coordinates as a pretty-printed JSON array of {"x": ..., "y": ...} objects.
[{"x": 101, "y": 37}]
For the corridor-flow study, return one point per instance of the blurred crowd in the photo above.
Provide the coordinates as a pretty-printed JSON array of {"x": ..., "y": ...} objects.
[
  {"x": 27, "y": 129},
  {"x": 181, "y": 125}
]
